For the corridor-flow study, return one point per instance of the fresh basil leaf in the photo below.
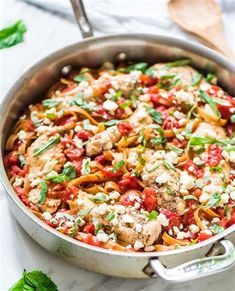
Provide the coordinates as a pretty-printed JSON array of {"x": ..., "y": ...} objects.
[
  {"x": 190, "y": 113},
  {"x": 178, "y": 151},
  {"x": 153, "y": 215},
  {"x": 142, "y": 161},
  {"x": 156, "y": 116},
  {"x": 35, "y": 280},
  {"x": 81, "y": 103},
  {"x": 178, "y": 135},
  {"x": 196, "y": 79},
  {"x": 217, "y": 228},
  {"x": 151, "y": 72},
  {"x": 86, "y": 169},
  {"x": 116, "y": 96},
  {"x": 12, "y": 35},
  {"x": 60, "y": 178},
  {"x": 100, "y": 197},
  {"x": 213, "y": 201},
  {"x": 110, "y": 216},
  {"x": 43, "y": 191},
  {"x": 35, "y": 119},
  {"x": 210, "y": 77},
  {"x": 111, "y": 122},
  {"x": 227, "y": 212},
  {"x": 201, "y": 141},
  {"x": 190, "y": 197},
  {"x": 126, "y": 104},
  {"x": 118, "y": 166},
  {"x": 70, "y": 172},
  {"x": 168, "y": 165},
  {"x": 80, "y": 78},
  {"x": 178, "y": 63},
  {"x": 169, "y": 191},
  {"x": 52, "y": 141},
  {"x": 221, "y": 101},
  {"x": 22, "y": 160},
  {"x": 206, "y": 98},
  {"x": 50, "y": 103}
]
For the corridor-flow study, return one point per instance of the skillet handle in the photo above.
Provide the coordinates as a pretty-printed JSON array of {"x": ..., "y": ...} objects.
[
  {"x": 194, "y": 269},
  {"x": 81, "y": 17}
]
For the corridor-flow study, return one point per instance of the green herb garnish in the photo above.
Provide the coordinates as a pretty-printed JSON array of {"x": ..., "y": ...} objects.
[
  {"x": 69, "y": 173},
  {"x": 214, "y": 201},
  {"x": 12, "y": 35},
  {"x": 168, "y": 165},
  {"x": 210, "y": 77},
  {"x": 81, "y": 103},
  {"x": 43, "y": 191},
  {"x": 178, "y": 151},
  {"x": 161, "y": 140},
  {"x": 196, "y": 79},
  {"x": 118, "y": 166},
  {"x": 177, "y": 134},
  {"x": 110, "y": 216},
  {"x": 217, "y": 228},
  {"x": 178, "y": 63},
  {"x": 206, "y": 98},
  {"x": 35, "y": 280},
  {"x": 22, "y": 160},
  {"x": 111, "y": 122},
  {"x": 116, "y": 96},
  {"x": 100, "y": 197},
  {"x": 153, "y": 215},
  {"x": 190, "y": 197},
  {"x": 227, "y": 212},
  {"x": 35, "y": 119},
  {"x": 156, "y": 116},
  {"x": 52, "y": 141},
  {"x": 50, "y": 103}
]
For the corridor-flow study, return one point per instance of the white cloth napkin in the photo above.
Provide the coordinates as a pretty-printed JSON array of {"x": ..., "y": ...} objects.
[{"x": 148, "y": 16}]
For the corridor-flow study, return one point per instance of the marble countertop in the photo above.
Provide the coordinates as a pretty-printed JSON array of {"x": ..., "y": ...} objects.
[{"x": 46, "y": 33}]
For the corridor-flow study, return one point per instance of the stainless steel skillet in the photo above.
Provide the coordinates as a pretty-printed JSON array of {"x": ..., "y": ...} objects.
[{"x": 208, "y": 257}]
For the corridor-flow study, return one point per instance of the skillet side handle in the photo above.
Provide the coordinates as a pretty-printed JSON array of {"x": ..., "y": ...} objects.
[
  {"x": 81, "y": 17},
  {"x": 194, "y": 269}
]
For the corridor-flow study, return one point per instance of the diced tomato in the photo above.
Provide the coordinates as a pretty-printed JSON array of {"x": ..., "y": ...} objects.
[
  {"x": 67, "y": 140},
  {"x": 16, "y": 170},
  {"x": 89, "y": 228},
  {"x": 107, "y": 171},
  {"x": 149, "y": 199},
  {"x": 101, "y": 112},
  {"x": 21, "y": 193},
  {"x": 174, "y": 219},
  {"x": 225, "y": 223},
  {"x": 53, "y": 225},
  {"x": 104, "y": 86},
  {"x": 192, "y": 168},
  {"x": 125, "y": 128},
  {"x": 153, "y": 90},
  {"x": 100, "y": 159},
  {"x": 119, "y": 113},
  {"x": 83, "y": 134},
  {"x": 91, "y": 240},
  {"x": 158, "y": 99},
  {"x": 148, "y": 81},
  {"x": 128, "y": 182},
  {"x": 169, "y": 123},
  {"x": 74, "y": 154},
  {"x": 69, "y": 87},
  {"x": 65, "y": 119},
  {"x": 215, "y": 155},
  {"x": 29, "y": 126},
  {"x": 69, "y": 193},
  {"x": 11, "y": 159},
  {"x": 188, "y": 217},
  {"x": 231, "y": 129},
  {"x": 203, "y": 236},
  {"x": 127, "y": 198}
]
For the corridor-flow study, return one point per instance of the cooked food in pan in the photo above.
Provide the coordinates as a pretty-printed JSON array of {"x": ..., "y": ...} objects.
[{"x": 130, "y": 158}]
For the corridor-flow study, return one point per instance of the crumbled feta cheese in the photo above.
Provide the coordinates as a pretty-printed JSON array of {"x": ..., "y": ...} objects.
[
  {"x": 224, "y": 198},
  {"x": 232, "y": 195},
  {"x": 138, "y": 227},
  {"x": 18, "y": 181},
  {"x": 171, "y": 157},
  {"x": 102, "y": 236},
  {"x": 186, "y": 181},
  {"x": 194, "y": 228},
  {"x": 204, "y": 197},
  {"x": 47, "y": 216},
  {"x": 34, "y": 196},
  {"x": 162, "y": 219},
  {"x": 120, "y": 209},
  {"x": 114, "y": 195},
  {"x": 49, "y": 166},
  {"x": 77, "y": 128},
  {"x": 232, "y": 157},
  {"x": 110, "y": 105},
  {"x": 159, "y": 154},
  {"x": 52, "y": 173},
  {"x": 144, "y": 97},
  {"x": 138, "y": 245},
  {"x": 126, "y": 218},
  {"x": 22, "y": 135},
  {"x": 184, "y": 97},
  {"x": 69, "y": 223},
  {"x": 163, "y": 178},
  {"x": 85, "y": 166},
  {"x": 178, "y": 114},
  {"x": 102, "y": 209},
  {"x": 78, "y": 142},
  {"x": 180, "y": 235},
  {"x": 35, "y": 182}
]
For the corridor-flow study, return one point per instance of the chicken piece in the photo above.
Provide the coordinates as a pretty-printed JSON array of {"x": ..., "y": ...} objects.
[
  {"x": 209, "y": 130},
  {"x": 140, "y": 117},
  {"x": 83, "y": 201},
  {"x": 141, "y": 229},
  {"x": 185, "y": 73},
  {"x": 51, "y": 160},
  {"x": 166, "y": 182},
  {"x": 103, "y": 141}
]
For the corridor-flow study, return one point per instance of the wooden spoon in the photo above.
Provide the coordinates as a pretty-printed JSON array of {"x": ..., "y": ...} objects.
[{"x": 203, "y": 19}]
